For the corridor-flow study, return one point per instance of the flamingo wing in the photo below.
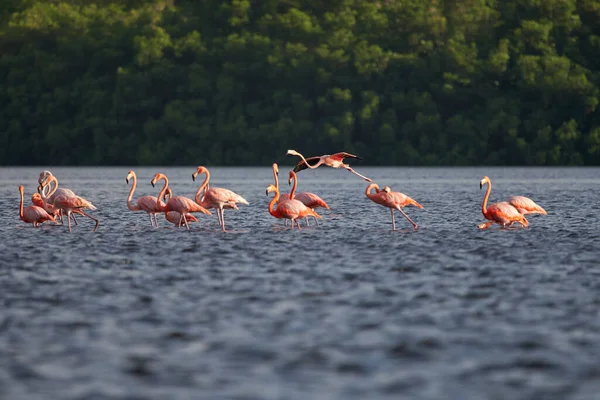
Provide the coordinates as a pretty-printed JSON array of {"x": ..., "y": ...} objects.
[
  {"x": 504, "y": 212},
  {"x": 184, "y": 205},
  {"x": 383, "y": 198},
  {"x": 312, "y": 161},
  {"x": 342, "y": 155},
  {"x": 36, "y": 214},
  {"x": 525, "y": 205},
  {"x": 290, "y": 209},
  {"x": 311, "y": 200},
  {"x": 72, "y": 202},
  {"x": 224, "y": 196},
  {"x": 403, "y": 200},
  {"x": 148, "y": 204}
]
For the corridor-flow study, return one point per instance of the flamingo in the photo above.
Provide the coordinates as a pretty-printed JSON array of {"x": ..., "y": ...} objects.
[
  {"x": 334, "y": 161},
  {"x": 33, "y": 214},
  {"x": 503, "y": 213},
  {"x": 181, "y": 204},
  {"x": 144, "y": 203},
  {"x": 290, "y": 209},
  {"x": 392, "y": 200},
  {"x": 37, "y": 200},
  {"x": 525, "y": 205},
  {"x": 310, "y": 200},
  {"x": 173, "y": 216},
  {"x": 217, "y": 198},
  {"x": 44, "y": 180},
  {"x": 68, "y": 203}
]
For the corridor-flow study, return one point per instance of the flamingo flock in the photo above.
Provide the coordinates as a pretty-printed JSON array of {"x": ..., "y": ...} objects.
[{"x": 52, "y": 204}]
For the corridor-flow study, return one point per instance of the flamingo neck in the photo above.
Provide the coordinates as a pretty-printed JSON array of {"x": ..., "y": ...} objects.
[
  {"x": 129, "y": 204},
  {"x": 306, "y": 162},
  {"x": 21, "y": 206},
  {"x": 294, "y": 186},
  {"x": 370, "y": 187},
  {"x": 202, "y": 187},
  {"x": 159, "y": 204},
  {"x": 485, "y": 198},
  {"x": 274, "y": 200},
  {"x": 51, "y": 191},
  {"x": 276, "y": 177}
]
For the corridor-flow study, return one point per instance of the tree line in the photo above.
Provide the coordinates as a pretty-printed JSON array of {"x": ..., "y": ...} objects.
[{"x": 238, "y": 82}]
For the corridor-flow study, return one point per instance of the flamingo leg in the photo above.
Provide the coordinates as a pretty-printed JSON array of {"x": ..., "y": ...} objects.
[
  {"x": 485, "y": 225},
  {"x": 92, "y": 218},
  {"x": 356, "y": 173},
  {"x": 155, "y": 220},
  {"x": 316, "y": 220},
  {"x": 184, "y": 220},
  {"x": 223, "y": 220},
  {"x": 74, "y": 220},
  {"x": 69, "y": 220},
  {"x": 151, "y": 219},
  {"x": 393, "y": 222},
  {"x": 306, "y": 221},
  {"x": 408, "y": 218}
]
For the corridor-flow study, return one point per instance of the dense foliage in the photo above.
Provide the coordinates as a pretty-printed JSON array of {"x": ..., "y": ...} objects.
[{"x": 223, "y": 82}]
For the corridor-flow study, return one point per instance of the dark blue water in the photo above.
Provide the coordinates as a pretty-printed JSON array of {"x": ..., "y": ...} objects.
[{"x": 346, "y": 310}]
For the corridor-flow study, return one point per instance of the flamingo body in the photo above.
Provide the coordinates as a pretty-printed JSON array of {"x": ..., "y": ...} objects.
[
  {"x": 175, "y": 218},
  {"x": 393, "y": 201},
  {"x": 525, "y": 205},
  {"x": 331, "y": 160}
]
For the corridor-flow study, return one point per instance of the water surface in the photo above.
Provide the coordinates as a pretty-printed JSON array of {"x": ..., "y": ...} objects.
[{"x": 346, "y": 310}]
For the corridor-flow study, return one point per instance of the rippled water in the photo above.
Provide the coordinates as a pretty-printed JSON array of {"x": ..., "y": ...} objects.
[{"x": 346, "y": 310}]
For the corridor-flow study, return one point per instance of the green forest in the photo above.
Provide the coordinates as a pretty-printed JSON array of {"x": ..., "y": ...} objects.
[{"x": 238, "y": 82}]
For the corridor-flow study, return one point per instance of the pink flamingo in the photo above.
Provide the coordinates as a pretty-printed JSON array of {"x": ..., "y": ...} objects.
[
  {"x": 144, "y": 203},
  {"x": 33, "y": 214},
  {"x": 217, "y": 198},
  {"x": 37, "y": 200},
  {"x": 503, "y": 213},
  {"x": 68, "y": 203},
  {"x": 392, "y": 200},
  {"x": 44, "y": 181},
  {"x": 290, "y": 209},
  {"x": 334, "y": 161},
  {"x": 173, "y": 216},
  {"x": 310, "y": 200},
  {"x": 182, "y": 205},
  {"x": 525, "y": 205}
]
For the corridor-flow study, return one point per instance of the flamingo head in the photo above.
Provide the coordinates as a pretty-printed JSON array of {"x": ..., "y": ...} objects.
[
  {"x": 483, "y": 182},
  {"x": 292, "y": 175},
  {"x": 276, "y": 168},
  {"x": 36, "y": 199},
  {"x": 292, "y": 153},
  {"x": 168, "y": 194},
  {"x": 199, "y": 170},
  {"x": 386, "y": 189},
  {"x": 44, "y": 175},
  {"x": 130, "y": 175},
  {"x": 21, "y": 188},
  {"x": 156, "y": 178},
  {"x": 270, "y": 189}
]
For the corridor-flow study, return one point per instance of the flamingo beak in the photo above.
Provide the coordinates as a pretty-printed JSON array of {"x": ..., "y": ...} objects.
[
  {"x": 194, "y": 176},
  {"x": 480, "y": 185},
  {"x": 152, "y": 182},
  {"x": 126, "y": 180},
  {"x": 267, "y": 192}
]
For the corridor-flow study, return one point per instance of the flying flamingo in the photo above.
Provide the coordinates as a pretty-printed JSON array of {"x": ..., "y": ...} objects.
[
  {"x": 33, "y": 214},
  {"x": 392, "y": 200},
  {"x": 334, "y": 161},
  {"x": 68, "y": 203},
  {"x": 173, "y": 216},
  {"x": 503, "y": 213},
  {"x": 310, "y": 200},
  {"x": 290, "y": 209},
  {"x": 217, "y": 198},
  {"x": 44, "y": 180},
  {"x": 144, "y": 203},
  {"x": 182, "y": 205}
]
